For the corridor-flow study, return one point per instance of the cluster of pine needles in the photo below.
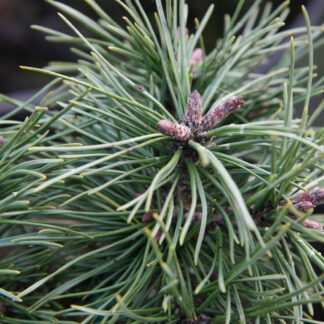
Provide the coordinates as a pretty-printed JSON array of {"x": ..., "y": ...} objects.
[{"x": 121, "y": 203}]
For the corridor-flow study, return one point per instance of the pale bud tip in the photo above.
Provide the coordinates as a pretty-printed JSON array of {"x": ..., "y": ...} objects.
[{"x": 312, "y": 224}]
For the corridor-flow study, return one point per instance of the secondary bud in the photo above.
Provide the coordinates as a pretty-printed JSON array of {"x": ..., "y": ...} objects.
[
  {"x": 192, "y": 116},
  {"x": 221, "y": 112},
  {"x": 303, "y": 206},
  {"x": 316, "y": 197},
  {"x": 158, "y": 236},
  {"x": 312, "y": 224},
  {"x": 196, "y": 57},
  {"x": 178, "y": 132},
  {"x": 147, "y": 217}
]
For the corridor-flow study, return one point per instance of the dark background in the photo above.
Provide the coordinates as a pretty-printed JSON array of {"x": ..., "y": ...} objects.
[{"x": 20, "y": 45}]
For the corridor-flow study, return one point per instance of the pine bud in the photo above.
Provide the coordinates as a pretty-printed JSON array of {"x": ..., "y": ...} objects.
[
  {"x": 178, "y": 132},
  {"x": 196, "y": 57},
  {"x": 316, "y": 197},
  {"x": 1, "y": 140},
  {"x": 158, "y": 236},
  {"x": 221, "y": 112},
  {"x": 312, "y": 224},
  {"x": 303, "y": 206},
  {"x": 147, "y": 217},
  {"x": 192, "y": 116}
]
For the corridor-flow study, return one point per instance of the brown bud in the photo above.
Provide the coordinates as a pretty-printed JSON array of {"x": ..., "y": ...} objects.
[
  {"x": 196, "y": 57},
  {"x": 303, "y": 206},
  {"x": 158, "y": 236},
  {"x": 192, "y": 116},
  {"x": 1, "y": 140},
  {"x": 178, "y": 132},
  {"x": 312, "y": 224},
  {"x": 147, "y": 217},
  {"x": 220, "y": 112},
  {"x": 316, "y": 197}
]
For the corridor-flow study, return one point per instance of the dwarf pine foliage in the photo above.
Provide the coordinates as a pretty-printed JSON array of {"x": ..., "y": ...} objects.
[{"x": 159, "y": 183}]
